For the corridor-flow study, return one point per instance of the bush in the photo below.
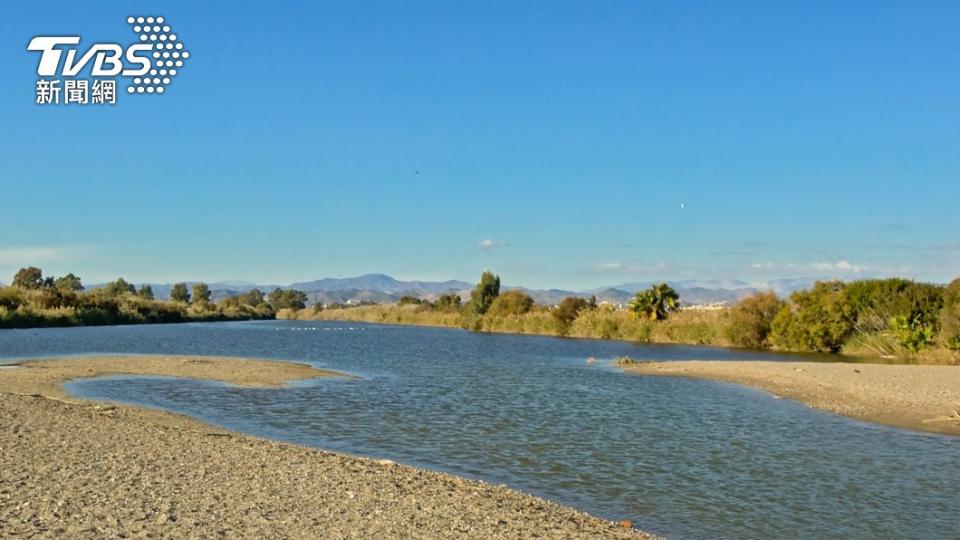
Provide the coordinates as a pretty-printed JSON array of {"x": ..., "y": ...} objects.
[
  {"x": 750, "y": 320},
  {"x": 511, "y": 303},
  {"x": 912, "y": 334},
  {"x": 819, "y": 319},
  {"x": 949, "y": 316},
  {"x": 567, "y": 310},
  {"x": 448, "y": 302}
]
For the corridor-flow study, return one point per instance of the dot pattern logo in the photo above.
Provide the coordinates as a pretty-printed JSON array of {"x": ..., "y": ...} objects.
[{"x": 167, "y": 58}]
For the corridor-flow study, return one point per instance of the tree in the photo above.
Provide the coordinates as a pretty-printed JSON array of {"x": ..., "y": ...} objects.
[
  {"x": 287, "y": 299},
  {"x": 201, "y": 293},
  {"x": 656, "y": 303},
  {"x": 408, "y": 300},
  {"x": 252, "y": 298},
  {"x": 484, "y": 293},
  {"x": 145, "y": 292},
  {"x": 68, "y": 284},
  {"x": 511, "y": 303},
  {"x": 119, "y": 287},
  {"x": 28, "y": 278},
  {"x": 819, "y": 319},
  {"x": 179, "y": 293},
  {"x": 568, "y": 309},
  {"x": 750, "y": 320},
  {"x": 950, "y": 316},
  {"x": 448, "y": 302}
]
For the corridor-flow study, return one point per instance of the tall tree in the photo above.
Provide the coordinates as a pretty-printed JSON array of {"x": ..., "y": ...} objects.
[
  {"x": 179, "y": 293},
  {"x": 28, "y": 278},
  {"x": 485, "y": 292},
  {"x": 201, "y": 293}
]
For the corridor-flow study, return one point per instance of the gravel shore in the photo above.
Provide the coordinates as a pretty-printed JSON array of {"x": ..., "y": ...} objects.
[
  {"x": 85, "y": 469},
  {"x": 919, "y": 397}
]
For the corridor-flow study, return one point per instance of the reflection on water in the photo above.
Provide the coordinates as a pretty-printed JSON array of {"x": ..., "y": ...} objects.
[{"x": 684, "y": 458}]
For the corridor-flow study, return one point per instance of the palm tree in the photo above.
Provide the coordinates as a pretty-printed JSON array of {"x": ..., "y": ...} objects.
[{"x": 656, "y": 303}]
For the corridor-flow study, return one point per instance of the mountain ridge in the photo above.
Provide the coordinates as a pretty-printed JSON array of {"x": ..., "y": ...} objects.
[{"x": 383, "y": 288}]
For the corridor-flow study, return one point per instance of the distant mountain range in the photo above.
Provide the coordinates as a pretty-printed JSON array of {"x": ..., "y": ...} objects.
[{"x": 382, "y": 288}]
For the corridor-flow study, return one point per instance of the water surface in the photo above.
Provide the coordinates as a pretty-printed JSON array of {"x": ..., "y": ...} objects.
[{"x": 681, "y": 457}]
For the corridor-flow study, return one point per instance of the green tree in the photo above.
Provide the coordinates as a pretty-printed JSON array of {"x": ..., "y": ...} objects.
[
  {"x": 950, "y": 316},
  {"x": 568, "y": 309},
  {"x": 201, "y": 293},
  {"x": 749, "y": 321},
  {"x": 145, "y": 292},
  {"x": 118, "y": 288},
  {"x": 511, "y": 303},
  {"x": 68, "y": 284},
  {"x": 179, "y": 293},
  {"x": 252, "y": 298},
  {"x": 28, "y": 278},
  {"x": 875, "y": 302},
  {"x": 819, "y": 319},
  {"x": 287, "y": 299},
  {"x": 484, "y": 293},
  {"x": 448, "y": 302},
  {"x": 409, "y": 300},
  {"x": 656, "y": 303}
]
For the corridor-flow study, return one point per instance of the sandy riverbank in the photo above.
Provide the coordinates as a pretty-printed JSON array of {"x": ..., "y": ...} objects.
[
  {"x": 917, "y": 397},
  {"x": 77, "y": 468}
]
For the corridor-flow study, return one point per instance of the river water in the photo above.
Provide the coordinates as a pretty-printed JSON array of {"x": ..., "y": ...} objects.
[{"x": 679, "y": 457}]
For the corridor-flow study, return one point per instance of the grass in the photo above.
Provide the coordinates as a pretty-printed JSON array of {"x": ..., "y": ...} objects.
[{"x": 696, "y": 327}]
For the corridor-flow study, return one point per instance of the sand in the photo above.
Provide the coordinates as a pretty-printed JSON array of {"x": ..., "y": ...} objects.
[
  {"x": 919, "y": 397},
  {"x": 76, "y": 468}
]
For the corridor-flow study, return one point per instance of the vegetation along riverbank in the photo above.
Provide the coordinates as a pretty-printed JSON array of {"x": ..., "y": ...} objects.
[
  {"x": 33, "y": 300},
  {"x": 892, "y": 319},
  {"x": 81, "y": 469}
]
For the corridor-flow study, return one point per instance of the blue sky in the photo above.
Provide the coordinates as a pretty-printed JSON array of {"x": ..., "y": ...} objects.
[{"x": 561, "y": 144}]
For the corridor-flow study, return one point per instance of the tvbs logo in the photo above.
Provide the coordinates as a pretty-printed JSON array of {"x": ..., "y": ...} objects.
[{"x": 149, "y": 64}]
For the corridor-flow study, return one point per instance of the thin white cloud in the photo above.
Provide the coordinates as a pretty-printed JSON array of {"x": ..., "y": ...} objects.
[
  {"x": 841, "y": 266},
  {"x": 37, "y": 255},
  {"x": 488, "y": 243},
  {"x": 635, "y": 269}
]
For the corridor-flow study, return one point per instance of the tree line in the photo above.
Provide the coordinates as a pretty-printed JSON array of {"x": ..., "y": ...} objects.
[
  {"x": 33, "y": 300},
  {"x": 877, "y": 317}
]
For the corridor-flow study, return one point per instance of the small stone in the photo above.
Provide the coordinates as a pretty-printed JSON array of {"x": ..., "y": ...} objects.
[{"x": 626, "y": 524}]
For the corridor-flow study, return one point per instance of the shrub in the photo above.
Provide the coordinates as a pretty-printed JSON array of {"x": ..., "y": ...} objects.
[
  {"x": 448, "y": 302},
  {"x": 950, "y": 316},
  {"x": 818, "y": 319},
  {"x": 749, "y": 321},
  {"x": 511, "y": 303},
  {"x": 566, "y": 312},
  {"x": 911, "y": 333}
]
